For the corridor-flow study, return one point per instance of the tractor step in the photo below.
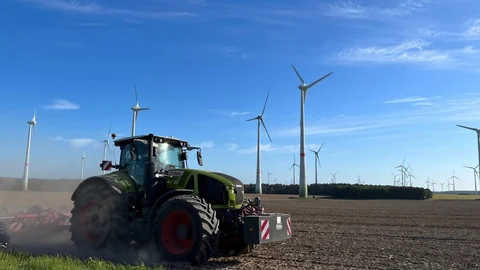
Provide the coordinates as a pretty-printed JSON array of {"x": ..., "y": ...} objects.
[{"x": 266, "y": 228}]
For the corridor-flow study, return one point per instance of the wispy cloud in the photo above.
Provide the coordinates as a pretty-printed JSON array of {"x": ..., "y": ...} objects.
[
  {"x": 76, "y": 142},
  {"x": 354, "y": 9},
  {"x": 412, "y": 52},
  {"x": 473, "y": 29},
  {"x": 94, "y": 8},
  {"x": 410, "y": 99},
  {"x": 229, "y": 113},
  {"x": 290, "y": 148},
  {"x": 208, "y": 144},
  {"x": 231, "y": 146},
  {"x": 452, "y": 110},
  {"x": 61, "y": 104}
]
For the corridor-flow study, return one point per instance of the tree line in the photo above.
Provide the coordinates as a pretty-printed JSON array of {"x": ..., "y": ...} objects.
[{"x": 349, "y": 191}]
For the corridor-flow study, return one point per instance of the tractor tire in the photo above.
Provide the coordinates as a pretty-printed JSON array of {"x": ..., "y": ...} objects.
[
  {"x": 99, "y": 219},
  {"x": 186, "y": 229},
  {"x": 4, "y": 235}
]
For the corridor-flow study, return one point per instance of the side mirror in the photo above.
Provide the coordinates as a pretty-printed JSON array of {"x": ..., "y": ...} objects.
[
  {"x": 183, "y": 156},
  {"x": 199, "y": 158}
]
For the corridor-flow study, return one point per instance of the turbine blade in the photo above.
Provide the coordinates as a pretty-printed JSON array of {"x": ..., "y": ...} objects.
[
  {"x": 255, "y": 118},
  {"x": 136, "y": 96},
  {"x": 109, "y": 132},
  {"x": 292, "y": 166},
  {"x": 263, "y": 124},
  {"x": 298, "y": 74},
  {"x": 319, "y": 164},
  {"x": 311, "y": 150},
  {"x": 317, "y": 81},
  {"x": 265, "y": 105},
  {"x": 474, "y": 129},
  {"x": 320, "y": 148},
  {"x": 143, "y": 109}
]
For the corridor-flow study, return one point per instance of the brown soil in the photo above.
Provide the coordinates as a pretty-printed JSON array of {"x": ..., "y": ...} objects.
[{"x": 328, "y": 234}]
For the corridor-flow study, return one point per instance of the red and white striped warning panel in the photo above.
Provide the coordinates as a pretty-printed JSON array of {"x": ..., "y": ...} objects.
[
  {"x": 16, "y": 226},
  {"x": 289, "y": 226},
  {"x": 265, "y": 229},
  {"x": 106, "y": 165}
]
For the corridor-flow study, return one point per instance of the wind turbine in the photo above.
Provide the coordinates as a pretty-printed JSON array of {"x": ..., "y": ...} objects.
[
  {"x": 453, "y": 177},
  {"x": 403, "y": 171},
  {"x": 303, "y": 190},
  {"x": 394, "y": 178},
  {"x": 83, "y": 166},
  {"x": 478, "y": 140},
  {"x": 474, "y": 176},
  {"x": 259, "y": 118},
  {"x": 317, "y": 160},
  {"x": 31, "y": 123},
  {"x": 334, "y": 178},
  {"x": 428, "y": 182},
  {"x": 105, "y": 146},
  {"x": 442, "y": 185},
  {"x": 293, "y": 166},
  {"x": 135, "y": 110},
  {"x": 269, "y": 173}
]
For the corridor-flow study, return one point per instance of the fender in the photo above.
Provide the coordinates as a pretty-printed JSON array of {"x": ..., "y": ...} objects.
[
  {"x": 109, "y": 181},
  {"x": 161, "y": 200}
]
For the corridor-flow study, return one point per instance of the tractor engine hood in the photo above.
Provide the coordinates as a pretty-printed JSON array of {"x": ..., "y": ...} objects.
[{"x": 237, "y": 185}]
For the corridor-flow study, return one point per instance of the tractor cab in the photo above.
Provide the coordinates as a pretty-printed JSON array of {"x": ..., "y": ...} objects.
[{"x": 147, "y": 156}]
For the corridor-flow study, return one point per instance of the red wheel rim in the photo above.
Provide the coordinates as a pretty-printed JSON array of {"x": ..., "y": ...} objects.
[
  {"x": 171, "y": 241},
  {"x": 92, "y": 229}
]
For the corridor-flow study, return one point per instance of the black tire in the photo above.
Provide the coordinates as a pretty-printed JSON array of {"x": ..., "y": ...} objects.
[
  {"x": 202, "y": 237},
  {"x": 4, "y": 235},
  {"x": 113, "y": 210}
]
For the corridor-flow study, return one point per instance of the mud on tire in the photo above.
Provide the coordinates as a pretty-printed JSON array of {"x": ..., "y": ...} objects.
[
  {"x": 200, "y": 231},
  {"x": 107, "y": 212}
]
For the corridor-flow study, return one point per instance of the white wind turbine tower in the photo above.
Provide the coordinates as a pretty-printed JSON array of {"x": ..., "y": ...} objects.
[
  {"x": 317, "y": 160},
  {"x": 303, "y": 191},
  {"x": 31, "y": 123},
  {"x": 259, "y": 118},
  {"x": 83, "y": 166},
  {"x": 474, "y": 176},
  {"x": 293, "y": 166},
  {"x": 269, "y": 173},
  {"x": 135, "y": 110},
  {"x": 105, "y": 146}
]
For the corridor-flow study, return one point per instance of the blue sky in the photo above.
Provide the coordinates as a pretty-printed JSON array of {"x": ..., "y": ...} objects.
[{"x": 405, "y": 73}]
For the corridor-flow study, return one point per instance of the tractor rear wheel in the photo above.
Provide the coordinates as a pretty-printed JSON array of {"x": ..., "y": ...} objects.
[
  {"x": 186, "y": 228},
  {"x": 4, "y": 236},
  {"x": 99, "y": 219}
]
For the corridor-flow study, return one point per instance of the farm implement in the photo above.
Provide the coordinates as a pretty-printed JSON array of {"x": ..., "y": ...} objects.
[{"x": 36, "y": 219}]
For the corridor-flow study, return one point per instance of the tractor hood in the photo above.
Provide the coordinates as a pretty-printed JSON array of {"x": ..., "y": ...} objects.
[{"x": 179, "y": 178}]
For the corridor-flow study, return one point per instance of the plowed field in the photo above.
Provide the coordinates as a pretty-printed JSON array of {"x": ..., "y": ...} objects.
[{"x": 329, "y": 234}]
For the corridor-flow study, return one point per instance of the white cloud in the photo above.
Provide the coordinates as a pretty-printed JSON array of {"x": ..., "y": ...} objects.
[
  {"x": 410, "y": 99},
  {"x": 231, "y": 146},
  {"x": 61, "y": 104},
  {"x": 93, "y": 8},
  {"x": 291, "y": 148},
  {"x": 354, "y": 9},
  {"x": 462, "y": 109},
  {"x": 473, "y": 30},
  {"x": 229, "y": 113},
  {"x": 208, "y": 144},
  {"x": 413, "y": 52},
  {"x": 76, "y": 142}
]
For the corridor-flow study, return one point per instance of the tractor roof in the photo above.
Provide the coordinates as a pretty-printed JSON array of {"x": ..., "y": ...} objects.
[{"x": 156, "y": 138}]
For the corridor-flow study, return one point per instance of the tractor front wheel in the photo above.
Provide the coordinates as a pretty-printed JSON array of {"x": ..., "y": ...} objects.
[
  {"x": 99, "y": 218},
  {"x": 186, "y": 229}
]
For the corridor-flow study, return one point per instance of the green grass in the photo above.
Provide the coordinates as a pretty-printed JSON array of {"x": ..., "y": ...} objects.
[
  {"x": 455, "y": 197},
  {"x": 11, "y": 261}
]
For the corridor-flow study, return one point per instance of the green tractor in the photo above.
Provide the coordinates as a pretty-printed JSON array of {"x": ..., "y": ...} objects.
[{"x": 153, "y": 198}]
